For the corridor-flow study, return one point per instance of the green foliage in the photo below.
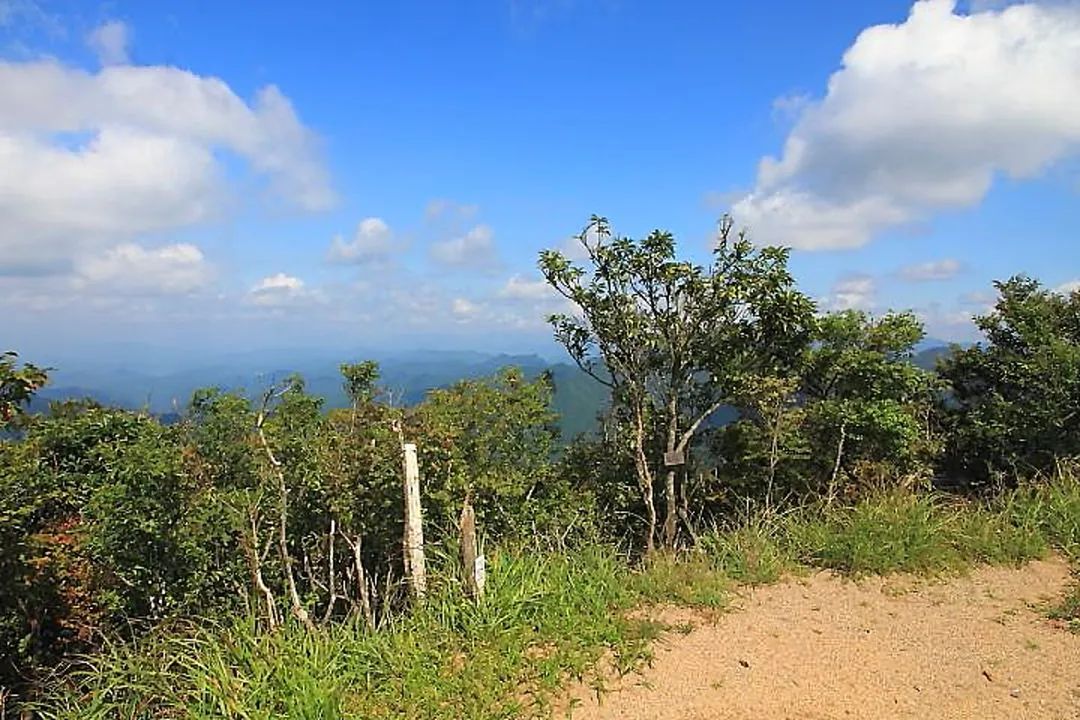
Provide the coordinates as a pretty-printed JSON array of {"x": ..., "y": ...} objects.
[
  {"x": 1012, "y": 405},
  {"x": 859, "y": 382},
  {"x": 494, "y": 440},
  {"x": 17, "y": 385},
  {"x": 547, "y": 617},
  {"x": 544, "y": 619},
  {"x": 670, "y": 337},
  {"x": 853, "y": 417},
  {"x": 750, "y": 551}
]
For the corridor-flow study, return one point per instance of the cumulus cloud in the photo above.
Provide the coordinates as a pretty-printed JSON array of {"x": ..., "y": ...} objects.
[
  {"x": 474, "y": 249},
  {"x": 280, "y": 290},
  {"x": 463, "y": 308},
  {"x": 174, "y": 269},
  {"x": 109, "y": 42},
  {"x": 858, "y": 292},
  {"x": 1069, "y": 287},
  {"x": 930, "y": 271},
  {"x": 373, "y": 242},
  {"x": 921, "y": 117},
  {"x": 89, "y": 161}
]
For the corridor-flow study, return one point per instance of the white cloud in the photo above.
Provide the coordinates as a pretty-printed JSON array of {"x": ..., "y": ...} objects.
[
  {"x": 372, "y": 243},
  {"x": 521, "y": 288},
  {"x": 463, "y": 308},
  {"x": 174, "y": 269},
  {"x": 89, "y": 161},
  {"x": 475, "y": 249},
  {"x": 280, "y": 281},
  {"x": 921, "y": 117},
  {"x": 952, "y": 324},
  {"x": 852, "y": 293},
  {"x": 281, "y": 290},
  {"x": 110, "y": 42},
  {"x": 1068, "y": 287},
  {"x": 928, "y": 271}
]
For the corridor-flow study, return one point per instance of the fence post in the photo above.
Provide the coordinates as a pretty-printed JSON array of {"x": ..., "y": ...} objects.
[
  {"x": 415, "y": 568},
  {"x": 471, "y": 560}
]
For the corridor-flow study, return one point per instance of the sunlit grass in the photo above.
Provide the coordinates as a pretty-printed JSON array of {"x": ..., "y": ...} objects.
[{"x": 548, "y": 617}]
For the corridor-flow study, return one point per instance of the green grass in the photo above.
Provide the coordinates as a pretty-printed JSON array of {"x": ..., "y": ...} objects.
[
  {"x": 549, "y": 617},
  {"x": 902, "y": 532},
  {"x": 1067, "y": 610},
  {"x": 543, "y": 619}
]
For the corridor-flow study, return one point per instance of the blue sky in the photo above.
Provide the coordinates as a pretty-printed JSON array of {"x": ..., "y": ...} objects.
[{"x": 196, "y": 176}]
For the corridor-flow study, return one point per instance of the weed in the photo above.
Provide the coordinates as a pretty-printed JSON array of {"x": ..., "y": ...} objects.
[{"x": 1067, "y": 610}]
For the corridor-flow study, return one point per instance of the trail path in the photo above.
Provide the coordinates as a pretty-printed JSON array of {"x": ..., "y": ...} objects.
[{"x": 819, "y": 647}]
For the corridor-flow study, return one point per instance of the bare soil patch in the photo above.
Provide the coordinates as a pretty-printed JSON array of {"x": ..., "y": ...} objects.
[{"x": 977, "y": 646}]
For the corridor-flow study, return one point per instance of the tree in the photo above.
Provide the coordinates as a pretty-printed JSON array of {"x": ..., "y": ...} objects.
[
  {"x": 866, "y": 402},
  {"x": 17, "y": 385},
  {"x": 1012, "y": 404},
  {"x": 670, "y": 338},
  {"x": 491, "y": 439}
]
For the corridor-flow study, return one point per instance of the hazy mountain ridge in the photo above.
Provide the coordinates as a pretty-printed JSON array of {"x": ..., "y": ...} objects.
[{"x": 408, "y": 376}]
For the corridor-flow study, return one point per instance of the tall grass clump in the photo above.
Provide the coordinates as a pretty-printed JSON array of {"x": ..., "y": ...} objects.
[
  {"x": 750, "y": 551},
  {"x": 904, "y": 531},
  {"x": 543, "y": 618},
  {"x": 1050, "y": 506},
  {"x": 897, "y": 531}
]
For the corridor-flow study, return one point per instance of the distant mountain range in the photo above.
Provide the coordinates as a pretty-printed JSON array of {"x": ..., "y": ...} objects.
[
  {"x": 578, "y": 399},
  {"x": 410, "y": 376}
]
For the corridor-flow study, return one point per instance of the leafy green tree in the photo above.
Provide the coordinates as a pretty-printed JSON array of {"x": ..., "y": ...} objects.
[
  {"x": 670, "y": 337},
  {"x": 222, "y": 460},
  {"x": 93, "y": 519},
  {"x": 492, "y": 439},
  {"x": 17, "y": 385},
  {"x": 1013, "y": 401},
  {"x": 867, "y": 405},
  {"x": 855, "y": 411}
]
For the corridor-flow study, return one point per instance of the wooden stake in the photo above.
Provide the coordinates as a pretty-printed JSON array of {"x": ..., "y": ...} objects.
[
  {"x": 471, "y": 560},
  {"x": 414, "y": 530}
]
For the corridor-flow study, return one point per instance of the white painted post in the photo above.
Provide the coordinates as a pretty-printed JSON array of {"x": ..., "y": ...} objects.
[{"x": 414, "y": 530}]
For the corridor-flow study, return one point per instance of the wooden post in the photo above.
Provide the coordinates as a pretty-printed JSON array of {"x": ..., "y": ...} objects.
[
  {"x": 413, "y": 541},
  {"x": 471, "y": 560}
]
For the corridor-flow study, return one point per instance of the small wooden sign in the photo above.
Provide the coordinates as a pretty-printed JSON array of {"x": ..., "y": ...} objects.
[{"x": 673, "y": 458}]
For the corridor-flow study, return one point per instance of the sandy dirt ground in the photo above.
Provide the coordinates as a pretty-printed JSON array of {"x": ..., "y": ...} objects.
[{"x": 818, "y": 647}]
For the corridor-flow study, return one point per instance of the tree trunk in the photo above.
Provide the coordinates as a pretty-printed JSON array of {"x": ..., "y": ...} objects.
[
  {"x": 645, "y": 483},
  {"x": 363, "y": 590},
  {"x": 836, "y": 466},
  {"x": 684, "y": 507},
  {"x": 251, "y": 550},
  {"x": 774, "y": 459},
  {"x": 332, "y": 573},
  {"x": 670, "y": 499},
  {"x": 283, "y": 541},
  {"x": 298, "y": 608}
]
